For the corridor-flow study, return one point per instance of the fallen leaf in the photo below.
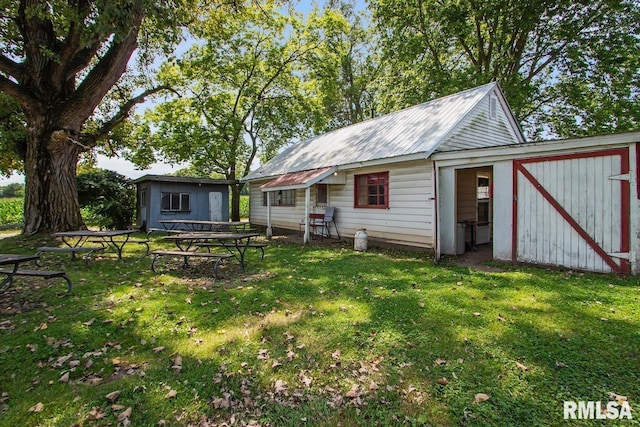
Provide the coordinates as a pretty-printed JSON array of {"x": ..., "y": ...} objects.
[
  {"x": 113, "y": 396},
  {"x": 280, "y": 386},
  {"x": 172, "y": 393},
  {"x": 442, "y": 381},
  {"x": 89, "y": 322},
  {"x": 354, "y": 392},
  {"x": 501, "y": 318},
  {"x": 275, "y": 364},
  {"x": 521, "y": 366},
  {"x": 158, "y": 349},
  {"x": 124, "y": 415},
  {"x": 64, "y": 378},
  {"x": 96, "y": 413},
  {"x": 263, "y": 354},
  {"x": 38, "y": 407},
  {"x": 440, "y": 361},
  {"x": 373, "y": 386},
  {"x": 116, "y": 407},
  {"x": 336, "y": 354},
  {"x": 561, "y": 364},
  {"x": 477, "y": 314},
  {"x": 481, "y": 397}
]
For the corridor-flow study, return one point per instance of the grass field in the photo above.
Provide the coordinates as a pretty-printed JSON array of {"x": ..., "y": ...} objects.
[{"x": 316, "y": 335}]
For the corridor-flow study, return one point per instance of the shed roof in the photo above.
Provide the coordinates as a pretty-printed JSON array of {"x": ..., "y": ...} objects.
[
  {"x": 416, "y": 130},
  {"x": 184, "y": 179}
]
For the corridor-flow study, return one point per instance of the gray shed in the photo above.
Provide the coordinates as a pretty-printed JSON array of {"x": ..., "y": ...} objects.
[{"x": 161, "y": 197}]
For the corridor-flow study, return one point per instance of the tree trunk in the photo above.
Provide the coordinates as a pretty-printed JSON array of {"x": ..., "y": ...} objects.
[
  {"x": 51, "y": 196},
  {"x": 235, "y": 202}
]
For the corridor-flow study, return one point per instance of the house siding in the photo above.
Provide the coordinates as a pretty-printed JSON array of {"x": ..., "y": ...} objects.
[
  {"x": 409, "y": 220},
  {"x": 478, "y": 130}
]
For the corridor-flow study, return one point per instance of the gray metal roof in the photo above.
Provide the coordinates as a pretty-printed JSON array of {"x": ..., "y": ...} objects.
[
  {"x": 183, "y": 180},
  {"x": 417, "y": 129}
]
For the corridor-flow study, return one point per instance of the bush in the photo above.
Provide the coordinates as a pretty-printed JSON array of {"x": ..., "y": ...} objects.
[{"x": 107, "y": 198}]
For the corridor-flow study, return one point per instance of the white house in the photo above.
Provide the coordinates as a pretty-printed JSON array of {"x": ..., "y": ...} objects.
[{"x": 455, "y": 172}]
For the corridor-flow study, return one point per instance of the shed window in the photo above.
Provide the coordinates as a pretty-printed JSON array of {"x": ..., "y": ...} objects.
[
  {"x": 176, "y": 202},
  {"x": 372, "y": 190},
  {"x": 280, "y": 198},
  {"x": 143, "y": 198}
]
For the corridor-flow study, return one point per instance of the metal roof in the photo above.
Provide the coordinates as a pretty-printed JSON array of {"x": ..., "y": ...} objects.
[
  {"x": 297, "y": 179},
  {"x": 418, "y": 129},
  {"x": 183, "y": 180}
]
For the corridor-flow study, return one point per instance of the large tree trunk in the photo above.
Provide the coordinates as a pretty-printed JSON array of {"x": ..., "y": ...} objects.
[{"x": 51, "y": 196}]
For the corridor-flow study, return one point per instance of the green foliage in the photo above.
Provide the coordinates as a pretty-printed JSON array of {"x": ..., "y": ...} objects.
[
  {"x": 109, "y": 197},
  {"x": 11, "y": 211},
  {"x": 567, "y": 67},
  {"x": 322, "y": 334},
  {"x": 12, "y": 190}
]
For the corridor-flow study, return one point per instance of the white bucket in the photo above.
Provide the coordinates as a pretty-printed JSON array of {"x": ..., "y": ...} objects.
[{"x": 360, "y": 240}]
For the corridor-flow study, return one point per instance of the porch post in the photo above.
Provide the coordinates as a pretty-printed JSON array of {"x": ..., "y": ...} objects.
[
  {"x": 269, "y": 231},
  {"x": 307, "y": 202}
]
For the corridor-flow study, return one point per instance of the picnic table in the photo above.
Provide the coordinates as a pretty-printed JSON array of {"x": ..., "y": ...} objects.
[
  {"x": 15, "y": 261},
  {"x": 202, "y": 225},
  {"x": 107, "y": 238},
  {"x": 235, "y": 243}
]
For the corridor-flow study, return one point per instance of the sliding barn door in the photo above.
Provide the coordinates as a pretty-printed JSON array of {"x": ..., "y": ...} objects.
[{"x": 573, "y": 210}]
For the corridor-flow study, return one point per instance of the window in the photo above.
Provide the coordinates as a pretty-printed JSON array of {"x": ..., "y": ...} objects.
[
  {"x": 493, "y": 108},
  {"x": 280, "y": 198},
  {"x": 175, "y": 202},
  {"x": 372, "y": 190},
  {"x": 322, "y": 194},
  {"x": 483, "y": 196},
  {"x": 143, "y": 198}
]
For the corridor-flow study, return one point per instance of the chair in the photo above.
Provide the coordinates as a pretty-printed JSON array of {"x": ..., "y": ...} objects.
[{"x": 324, "y": 224}]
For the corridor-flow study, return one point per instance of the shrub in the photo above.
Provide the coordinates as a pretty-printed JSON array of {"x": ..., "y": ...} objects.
[{"x": 109, "y": 197}]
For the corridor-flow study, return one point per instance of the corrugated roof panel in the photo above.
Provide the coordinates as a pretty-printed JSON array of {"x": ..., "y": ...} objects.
[
  {"x": 296, "y": 179},
  {"x": 418, "y": 129}
]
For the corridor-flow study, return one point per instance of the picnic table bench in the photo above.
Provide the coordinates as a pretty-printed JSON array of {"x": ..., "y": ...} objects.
[
  {"x": 190, "y": 254},
  {"x": 209, "y": 245},
  {"x": 16, "y": 260},
  {"x": 73, "y": 250}
]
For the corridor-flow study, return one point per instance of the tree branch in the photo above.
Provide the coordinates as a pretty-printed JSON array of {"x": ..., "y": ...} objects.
[
  {"x": 106, "y": 72},
  {"x": 91, "y": 139},
  {"x": 11, "y": 68}
]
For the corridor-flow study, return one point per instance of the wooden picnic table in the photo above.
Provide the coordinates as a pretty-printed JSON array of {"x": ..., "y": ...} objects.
[
  {"x": 202, "y": 225},
  {"x": 113, "y": 238},
  {"x": 234, "y": 243}
]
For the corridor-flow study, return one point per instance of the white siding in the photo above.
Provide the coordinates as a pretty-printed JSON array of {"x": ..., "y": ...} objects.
[
  {"x": 478, "y": 130},
  {"x": 408, "y": 221}
]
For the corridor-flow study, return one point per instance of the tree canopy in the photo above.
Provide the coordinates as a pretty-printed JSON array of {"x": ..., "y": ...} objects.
[{"x": 568, "y": 67}]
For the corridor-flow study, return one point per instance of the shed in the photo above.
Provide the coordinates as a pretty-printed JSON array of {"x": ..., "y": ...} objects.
[
  {"x": 162, "y": 197},
  {"x": 456, "y": 172},
  {"x": 570, "y": 202}
]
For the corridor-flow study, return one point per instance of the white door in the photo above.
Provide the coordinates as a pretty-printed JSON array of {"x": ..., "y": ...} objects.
[
  {"x": 215, "y": 206},
  {"x": 573, "y": 210}
]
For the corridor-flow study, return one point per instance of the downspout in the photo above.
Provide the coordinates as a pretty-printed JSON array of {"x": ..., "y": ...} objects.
[
  {"x": 436, "y": 223},
  {"x": 269, "y": 231},
  {"x": 307, "y": 210}
]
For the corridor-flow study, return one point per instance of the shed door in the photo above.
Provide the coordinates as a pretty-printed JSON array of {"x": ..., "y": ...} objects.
[
  {"x": 215, "y": 206},
  {"x": 573, "y": 210}
]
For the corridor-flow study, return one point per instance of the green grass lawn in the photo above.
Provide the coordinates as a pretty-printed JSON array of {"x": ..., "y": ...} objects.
[{"x": 313, "y": 336}]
